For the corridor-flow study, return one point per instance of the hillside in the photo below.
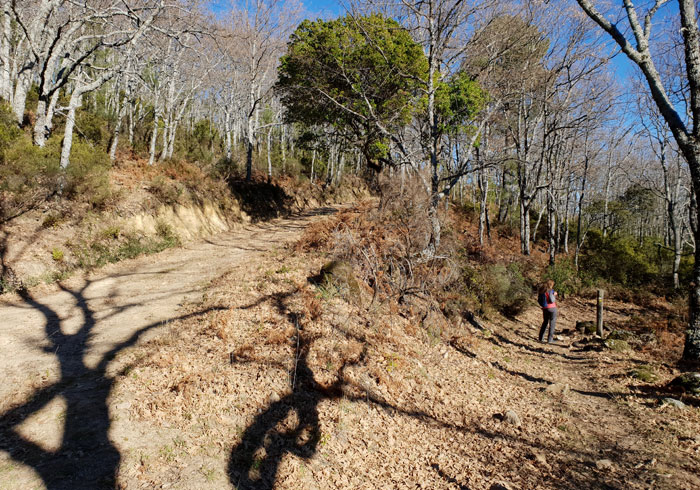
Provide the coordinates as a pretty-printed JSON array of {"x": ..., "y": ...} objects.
[
  {"x": 143, "y": 210},
  {"x": 265, "y": 377},
  {"x": 309, "y": 245}
]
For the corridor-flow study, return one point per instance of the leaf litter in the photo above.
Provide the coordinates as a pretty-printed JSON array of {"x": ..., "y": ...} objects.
[{"x": 287, "y": 386}]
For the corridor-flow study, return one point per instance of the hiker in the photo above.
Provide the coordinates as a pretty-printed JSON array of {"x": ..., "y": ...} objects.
[{"x": 547, "y": 298}]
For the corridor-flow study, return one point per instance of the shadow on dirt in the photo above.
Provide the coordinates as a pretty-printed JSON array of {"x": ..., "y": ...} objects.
[
  {"x": 85, "y": 458},
  {"x": 291, "y": 426},
  {"x": 287, "y": 426}
]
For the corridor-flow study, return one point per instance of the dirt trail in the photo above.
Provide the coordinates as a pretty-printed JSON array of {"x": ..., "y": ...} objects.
[
  {"x": 58, "y": 345},
  {"x": 207, "y": 403}
]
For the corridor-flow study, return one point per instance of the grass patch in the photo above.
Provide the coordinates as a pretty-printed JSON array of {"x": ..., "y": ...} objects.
[
  {"x": 644, "y": 373},
  {"x": 110, "y": 246}
]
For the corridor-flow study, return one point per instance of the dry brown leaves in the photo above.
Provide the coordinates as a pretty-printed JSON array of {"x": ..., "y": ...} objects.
[{"x": 322, "y": 393}]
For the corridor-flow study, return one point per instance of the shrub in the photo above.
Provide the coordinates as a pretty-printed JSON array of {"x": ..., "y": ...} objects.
[
  {"x": 167, "y": 191},
  {"x": 57, "y": 255},
  {"x": 111, "y": 245},
  {"x": 28, "y": 175},
  {"x": 564, "y": 276},
  {"x": 87, "y": 175},
  {"x": 168, "y": 236},
  {"x": 618, "y": 259},
  {"x": 91, "y": 128},
  {"x": 506, "y": 289},
  {"x": 52, "y": 219},
  {"x": 9, "y": 131}
]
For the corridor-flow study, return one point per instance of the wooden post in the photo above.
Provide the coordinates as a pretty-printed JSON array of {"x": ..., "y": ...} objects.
[{"x": 599, "y": 313}]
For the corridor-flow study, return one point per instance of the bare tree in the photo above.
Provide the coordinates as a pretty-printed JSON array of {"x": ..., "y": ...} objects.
[
  {"x": 684, "y": 127},
  {"x": 62, "y": 35},
  {"x": 260, "y": 29}
]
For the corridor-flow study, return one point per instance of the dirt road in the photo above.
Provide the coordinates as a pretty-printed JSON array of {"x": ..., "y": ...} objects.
[{"x": 55, "y": 349}]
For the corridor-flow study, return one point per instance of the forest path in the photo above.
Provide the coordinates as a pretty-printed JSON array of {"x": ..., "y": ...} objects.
[
  {"x": 105, "y": 308},
  {"x": 56, "y": 346},
  {"x": 597, "y": 411}
]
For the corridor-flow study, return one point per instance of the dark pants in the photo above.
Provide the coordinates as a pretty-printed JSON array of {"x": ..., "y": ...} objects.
[{"x": 549, "y": 316}]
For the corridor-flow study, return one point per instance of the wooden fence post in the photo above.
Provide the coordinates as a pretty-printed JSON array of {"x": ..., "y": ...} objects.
[{"x": 599, "y": 313}]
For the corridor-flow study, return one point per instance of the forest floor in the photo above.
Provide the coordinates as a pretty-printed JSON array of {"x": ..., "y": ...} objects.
[{"x": 220, "y": 364}]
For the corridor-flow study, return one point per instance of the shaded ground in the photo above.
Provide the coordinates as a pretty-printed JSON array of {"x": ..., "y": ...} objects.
[{"x": 57, "y": 348}]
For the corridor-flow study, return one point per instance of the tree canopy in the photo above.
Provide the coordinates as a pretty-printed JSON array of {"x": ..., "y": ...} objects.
[{"x": 359, "y": 75}]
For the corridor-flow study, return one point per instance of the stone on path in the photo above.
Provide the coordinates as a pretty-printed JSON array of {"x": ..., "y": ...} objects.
[
  {"x": 512, "y": 418},
  {"x": 673, "y": 403},
  {"x": 558, "y": 389}
]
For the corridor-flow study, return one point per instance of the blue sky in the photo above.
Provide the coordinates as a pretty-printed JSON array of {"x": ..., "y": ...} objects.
[
  {"x": 316, "y": 8},
  {"x": 622, "y": 66},
  {"x": 324, "y": 8}
]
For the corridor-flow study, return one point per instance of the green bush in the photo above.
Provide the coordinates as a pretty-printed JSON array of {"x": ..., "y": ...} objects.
[
  {"x": 57, "y": 254},
  {"x": 506, "y": 288},
  {"x": 618, "y": 259},
  {"x": 564, "y": 276},
  {"x": 28, "y": 168},
  {"x": 87, "y": 175},
  {"x": 30, "y": 174},
  {"x": 9, "y": 131},
  {"x": 91, "y": 128}
]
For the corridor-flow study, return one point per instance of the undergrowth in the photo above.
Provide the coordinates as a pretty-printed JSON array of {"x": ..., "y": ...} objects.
[
  {"x": 384, "y": 245},
  {"x": 110, "y": 245}
]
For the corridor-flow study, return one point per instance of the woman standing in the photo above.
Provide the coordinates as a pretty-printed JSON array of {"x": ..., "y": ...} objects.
[{"x": 547, "y": 298}]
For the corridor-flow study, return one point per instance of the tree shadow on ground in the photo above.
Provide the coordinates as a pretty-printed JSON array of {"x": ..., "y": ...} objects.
[
  {"x": 448, "y": 478},
  {"x": 289, "y": 425},
  {"x": 85, "y": 458}
]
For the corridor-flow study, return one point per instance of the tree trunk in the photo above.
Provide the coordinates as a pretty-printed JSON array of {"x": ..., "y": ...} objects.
[
  {"x": 75, "y": 102},
  {"x": 551, "y": 230},
  {"x": 19, "y": 100},
  {"x": 537, "y": 223},
  {"x": 154, "y": 136},
  {"x": 250, "y": 145},
  {"x": 269, "y": 154},
  {"x": 313, "y": 162},
  {"x": 691, "y": 350},
  {"x": 339, "y": 173},
  {"x": 166, "y": 134},
  {"x": 483, "y": 207},
  {"x": 117, "y": 130},
  {"x": 40, "y": 131},
  {"x": 608, "y": 179},
  {"x": 227, "y": 136},
  {"x": 677, "y": 252},
  {"x": 249, "y": 150},
  {"x": 567, "y": 216},
  {"x": 524, "y": 227},
  {"x": 5, "y": 75},
  {"x": 283, "y": 148},
  {"x": 434, "y": 221},
  {"x": 131, "y": 123}
]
